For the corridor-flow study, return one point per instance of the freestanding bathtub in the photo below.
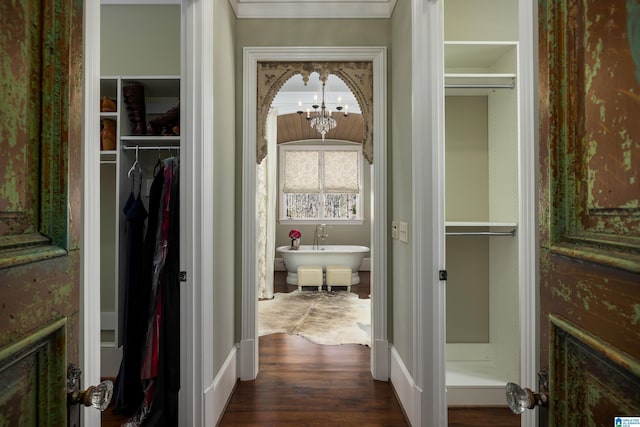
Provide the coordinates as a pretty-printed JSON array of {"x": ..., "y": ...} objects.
[{"x": 349, "y": 255}]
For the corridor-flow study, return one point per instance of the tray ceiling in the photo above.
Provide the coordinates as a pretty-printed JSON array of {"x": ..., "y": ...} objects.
[{"x": 313, "y": 8}]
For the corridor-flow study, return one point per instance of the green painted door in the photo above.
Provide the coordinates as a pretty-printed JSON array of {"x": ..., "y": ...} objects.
[
  {"x": 40, "y": 217},
  {"x": 590, "y": 209}
]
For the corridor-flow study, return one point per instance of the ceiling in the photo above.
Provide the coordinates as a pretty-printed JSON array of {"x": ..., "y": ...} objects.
[
  {"x": 295, "y": 127},
  {"x": 294, "y": 92},
  {"x": 292, "y": 126},
  {"x": 313, "y": 8}
]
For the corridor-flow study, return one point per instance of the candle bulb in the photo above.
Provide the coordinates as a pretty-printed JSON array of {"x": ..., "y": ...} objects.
[
  {"x": 308, "y": 113},
  {"x": 346, "y": 108}
]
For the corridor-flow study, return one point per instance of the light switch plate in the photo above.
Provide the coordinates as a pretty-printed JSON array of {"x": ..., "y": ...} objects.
[
  {"x": 394, "y": 229},
  {"x": 403, "y": 232}
]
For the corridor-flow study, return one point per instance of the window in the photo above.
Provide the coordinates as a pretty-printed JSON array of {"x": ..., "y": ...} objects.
[{"x": 320, "y": 183}]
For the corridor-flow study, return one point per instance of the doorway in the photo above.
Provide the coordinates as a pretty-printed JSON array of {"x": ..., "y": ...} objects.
[{"x": 249, "y": 331}]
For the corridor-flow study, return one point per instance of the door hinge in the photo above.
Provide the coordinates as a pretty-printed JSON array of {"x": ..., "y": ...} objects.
[
  {"x": 183, "y": 276},
  {"x": 442, "y": 275}
]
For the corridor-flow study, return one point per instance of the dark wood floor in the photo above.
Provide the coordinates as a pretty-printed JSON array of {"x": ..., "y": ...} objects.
[{"x": 304, "y": 384}]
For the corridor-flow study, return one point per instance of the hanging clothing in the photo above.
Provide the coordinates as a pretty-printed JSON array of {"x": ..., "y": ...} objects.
[
  {"x": 164, "y": 409},
  {"x": 128, "y": 392},
  {"x": 160, "y": 363}
]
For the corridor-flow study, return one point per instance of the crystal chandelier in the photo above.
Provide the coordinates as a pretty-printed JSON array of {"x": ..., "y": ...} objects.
[{"x": 321, "y": 119}]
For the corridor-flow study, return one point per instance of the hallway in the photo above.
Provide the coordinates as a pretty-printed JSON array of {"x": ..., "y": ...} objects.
[{"x": 304, "y": 384}]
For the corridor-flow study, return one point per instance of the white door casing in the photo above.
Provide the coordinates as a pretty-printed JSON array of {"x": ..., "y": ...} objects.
[{"x": 249, "y": 328}]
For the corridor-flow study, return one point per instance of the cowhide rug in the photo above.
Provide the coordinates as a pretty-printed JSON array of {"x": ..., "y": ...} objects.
[{"x": 329, "y": 318}]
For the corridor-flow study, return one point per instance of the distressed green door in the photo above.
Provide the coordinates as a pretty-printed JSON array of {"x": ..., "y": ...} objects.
[
  {"x": 40, "y": 217},
  {"x": 590, "y": 209}
]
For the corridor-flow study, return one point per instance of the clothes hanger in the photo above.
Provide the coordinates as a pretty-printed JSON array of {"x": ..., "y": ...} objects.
[
  {"x": 135, "y": 166},
  {"x": 158, "y": 164}
]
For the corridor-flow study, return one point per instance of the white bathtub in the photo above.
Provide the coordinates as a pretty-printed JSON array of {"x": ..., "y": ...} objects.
[{"x": 349, "y": 255}]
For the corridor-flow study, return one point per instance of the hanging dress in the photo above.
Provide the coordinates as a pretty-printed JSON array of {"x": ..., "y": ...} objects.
[
  {"x": 128, "y": 392},
  {"x": 160, "y": 369},
  {"x": 166, "y": 366}
]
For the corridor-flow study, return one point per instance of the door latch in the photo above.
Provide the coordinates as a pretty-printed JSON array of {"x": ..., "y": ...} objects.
[{"x": 442, "y": 275}]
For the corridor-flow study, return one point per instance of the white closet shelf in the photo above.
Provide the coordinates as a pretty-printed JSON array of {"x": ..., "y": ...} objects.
[
  {"x": 149, "y": 138},
  {"x": 477, "y": 76},
  {"x": 480, "y": 224}
]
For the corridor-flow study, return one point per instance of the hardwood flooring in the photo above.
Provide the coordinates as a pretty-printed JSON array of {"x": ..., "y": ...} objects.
[{"x": 304, "y": 384}]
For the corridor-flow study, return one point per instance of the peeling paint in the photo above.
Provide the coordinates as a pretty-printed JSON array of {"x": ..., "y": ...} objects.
[{"x": 635, "y": 317}]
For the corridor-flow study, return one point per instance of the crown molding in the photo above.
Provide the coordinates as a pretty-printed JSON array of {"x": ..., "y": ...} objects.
[{"x": 313, "y": 8}]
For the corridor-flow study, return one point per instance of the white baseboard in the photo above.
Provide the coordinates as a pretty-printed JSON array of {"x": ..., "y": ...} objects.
[
  {"x": 278, "y": 265},
  {"x": 408, "y": 394},
  {"x": 217, "y": 394}
]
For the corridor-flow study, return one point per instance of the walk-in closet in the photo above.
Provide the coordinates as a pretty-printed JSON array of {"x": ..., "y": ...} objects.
[
  {"x": 140, "y": 142},
  {"x": 482, "y": 210}
]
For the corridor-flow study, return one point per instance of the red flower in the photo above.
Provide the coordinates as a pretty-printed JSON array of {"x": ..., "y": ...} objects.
[{"x": 295, "y": 234}]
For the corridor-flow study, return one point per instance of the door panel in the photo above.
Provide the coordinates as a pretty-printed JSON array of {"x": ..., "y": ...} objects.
[
  {"x": 40, "y": 217},
  {"x": 590, "y": 210}
]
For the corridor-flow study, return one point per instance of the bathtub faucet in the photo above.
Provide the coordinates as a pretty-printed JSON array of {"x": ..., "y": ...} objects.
[{"x": 320, "y": 235}]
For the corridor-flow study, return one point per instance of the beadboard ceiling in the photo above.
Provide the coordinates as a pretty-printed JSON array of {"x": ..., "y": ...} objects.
[{"x": 313, "y": 8}]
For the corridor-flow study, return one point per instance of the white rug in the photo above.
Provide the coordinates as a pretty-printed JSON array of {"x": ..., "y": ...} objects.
[{"x": 329, "y": 318}]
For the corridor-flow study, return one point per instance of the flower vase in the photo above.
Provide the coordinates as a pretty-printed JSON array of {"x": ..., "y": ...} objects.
[{"x": 295, "y": 244}]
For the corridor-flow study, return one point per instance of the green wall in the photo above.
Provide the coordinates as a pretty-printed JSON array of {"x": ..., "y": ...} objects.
[
  {"x": 224, "y": 304},
  {"x": 400, "y": 187},
  {"x": 486, "y": 20},
  {"x": 140, "y": 40},
  {"x": 309, "y": 32}
]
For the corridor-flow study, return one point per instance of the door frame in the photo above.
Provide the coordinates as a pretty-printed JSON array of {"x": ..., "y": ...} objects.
[
  {"x": 428, "y": 243},
  {"x": 428, "y": 207},
  {"x": 528, "y": 191},
  {"x": 196, "y": 61},
  {"x": 90, "y": 257},
  {"x": 249, "y": 328}
]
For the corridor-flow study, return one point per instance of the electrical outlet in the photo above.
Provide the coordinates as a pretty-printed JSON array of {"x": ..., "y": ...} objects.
[{"x": 394, "y": 229}]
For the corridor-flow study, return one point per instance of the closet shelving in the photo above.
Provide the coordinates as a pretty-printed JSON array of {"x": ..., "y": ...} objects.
[
  {"x": 481, "y": 151},
  {"x": 161, "y": 93}
]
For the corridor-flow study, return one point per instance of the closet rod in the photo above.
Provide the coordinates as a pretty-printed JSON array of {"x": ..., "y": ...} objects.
[
  {"x": 481, "y": 233},
  {"x": 479, "y": 86},
  {"x": 146, "y": 147}
]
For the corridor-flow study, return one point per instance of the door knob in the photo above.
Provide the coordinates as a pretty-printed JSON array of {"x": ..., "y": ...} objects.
[
  {"x": 519, "y": 399},
  {"x": 98, "y": 396}
]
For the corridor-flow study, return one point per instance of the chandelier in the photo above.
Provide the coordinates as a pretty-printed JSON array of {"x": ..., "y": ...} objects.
[{"x": 321, "y": 119}]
